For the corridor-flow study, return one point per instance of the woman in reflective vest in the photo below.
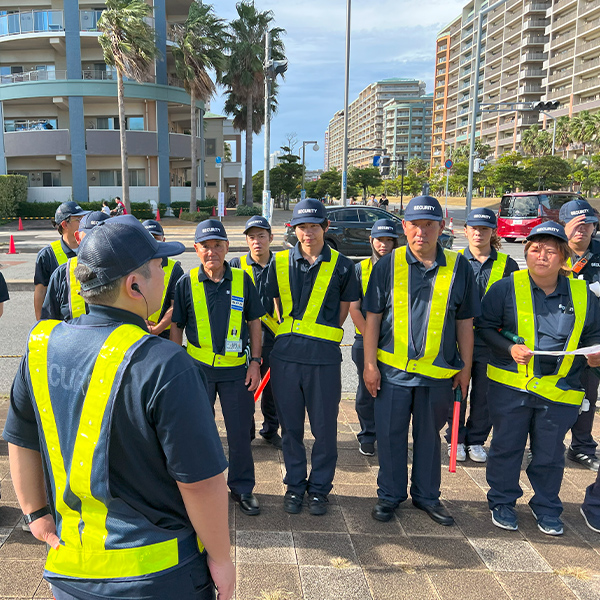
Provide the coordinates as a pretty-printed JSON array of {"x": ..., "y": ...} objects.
[
  {"x": 535, "y": 396},
  {"x": 488, "y": 266},
  {"x": 383, "y": 239}
]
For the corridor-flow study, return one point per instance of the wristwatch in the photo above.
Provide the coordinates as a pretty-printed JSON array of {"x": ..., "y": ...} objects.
[
  {"x": 257, "y": 359},
  {"x": 34, "y": 516}
]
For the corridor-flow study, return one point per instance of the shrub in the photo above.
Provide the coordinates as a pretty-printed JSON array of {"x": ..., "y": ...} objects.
[
  {"x": 38, "y": 209},
  {"x": 13, "y": 193},
  {"x": 248, "y": 211},
  {"x": 196, "y": 217}
]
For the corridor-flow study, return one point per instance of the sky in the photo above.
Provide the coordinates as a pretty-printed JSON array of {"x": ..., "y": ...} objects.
[{"x": 389, "y": 38}]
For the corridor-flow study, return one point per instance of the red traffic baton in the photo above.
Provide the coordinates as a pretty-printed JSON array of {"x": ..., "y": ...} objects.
[
  {"x": 454, "y": 436},
  {"x": 263, "y": 384}
]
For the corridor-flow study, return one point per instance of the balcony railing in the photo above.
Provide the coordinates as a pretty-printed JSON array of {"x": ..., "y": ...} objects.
[
  {"x": 88, "y": 19},
  {"x": 561, "y": 75},
  {"x": 591, "y": 25},
  {"x": 33, "y": 76},
  {"x": 562, "y": 56},
  {"x": 586, "y": 85},
  {"x": 31, "y": 21},
  {"x": 587, "y": 6}
]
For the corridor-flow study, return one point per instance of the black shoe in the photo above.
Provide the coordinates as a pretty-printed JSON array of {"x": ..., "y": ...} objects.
[
  {"x": 292, "y": 503},
  {"x": 437, "y": 512},
  {"x": 383, "y": 510},
  {"x": 317, "y": 504},
  {"x": 366, "y": 448},
  {"x": 589, "y": 461},
  {"x": 248, "y": 503},
  {"x": 274, "y": 439}
]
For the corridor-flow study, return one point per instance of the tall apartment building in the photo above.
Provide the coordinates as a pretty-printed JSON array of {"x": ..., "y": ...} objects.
[
  {"x": 59, "y": 112},
  {"x": 394, "y": 114},
  {"x": 531, "y": 50}
]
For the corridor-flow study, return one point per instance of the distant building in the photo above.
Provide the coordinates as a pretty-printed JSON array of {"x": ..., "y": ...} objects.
[
  {"x": 276, "y": 157},
  {"x": 312, "y": 174}
]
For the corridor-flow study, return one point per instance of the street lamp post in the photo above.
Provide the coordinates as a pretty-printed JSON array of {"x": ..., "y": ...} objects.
[
  {"x": 344, "y": 192},
  {"x": 266, "y": 197},
  {"x": 315, "y": 148}
]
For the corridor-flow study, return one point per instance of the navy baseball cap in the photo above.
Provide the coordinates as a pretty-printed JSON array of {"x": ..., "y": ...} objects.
[
  {"x": 154, "y": 227},
  {"x": 549, "y": 228},
  {"x": 68, "y": 209},
  {"x": 211, "y": 229},
  {"x": 384, "y": 228},
  {"x": 89, "y": 221},
  {"x": 118, "y": 246},
  {"x": 482, "y": 217},
  {"x": 257, "y": 221},
  {"x": 308, "y": 211},
  {"x": 423, "y": 207},
  {"x": 576, "y": 208}
]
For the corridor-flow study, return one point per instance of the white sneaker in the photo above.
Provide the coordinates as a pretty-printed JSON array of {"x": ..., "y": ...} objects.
[
  {"x": 461, "y": 453},
  {"x": 477, "y": 453}
]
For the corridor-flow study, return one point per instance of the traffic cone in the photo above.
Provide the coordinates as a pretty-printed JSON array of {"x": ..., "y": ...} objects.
[
  {"x": 11, "y": 246},
  {"x": 21, "y": 228},
  {"x": 451, "y": 224},
  {"x": 213, "y": 211},
  {"x": 157, "y": 215}
]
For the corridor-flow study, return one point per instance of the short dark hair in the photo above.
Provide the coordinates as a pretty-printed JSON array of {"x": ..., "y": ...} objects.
[{"x": 324, "y": 225}]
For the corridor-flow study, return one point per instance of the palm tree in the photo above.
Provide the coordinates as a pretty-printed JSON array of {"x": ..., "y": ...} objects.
[
  {"x": 129, "y": 45},
  {"x": 529, "y": 140},
  {"x": 563, "y": 133},
  {"x": 543, "y": 142},
  {"x": 199, "y": 46},
  {"x": 245, "y": 73},
  {"x": 584, "y": 129}
]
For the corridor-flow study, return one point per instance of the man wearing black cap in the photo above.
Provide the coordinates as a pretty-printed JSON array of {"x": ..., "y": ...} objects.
[
  {"x": 314, "y": 286},
  {"x": 220, "y": 310},
  {"x": 420, "y": 305},
  {"x": 159, "y": 323},
  {"x": 113, "y": 428},
  {"x": 66, "y": 221},
  {"x": 580, "y": 226},
  {"x": 63, "y": 300},
  {"x": 256, "y": 263}
]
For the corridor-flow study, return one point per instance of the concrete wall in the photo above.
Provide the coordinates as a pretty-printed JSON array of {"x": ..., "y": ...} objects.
[
  {"x": 49, "y": 194},
  {"x": 37, "y": 143}
]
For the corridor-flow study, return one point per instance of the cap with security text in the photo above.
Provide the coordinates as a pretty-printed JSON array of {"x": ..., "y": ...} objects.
[
  {"x": 308, "y": 211},
  {"x": 423, "y": 207},
  {"x": 576, "y": 208},
  {"x": 89, "y": 221},
  {"x": 154, "y": 227},
  {"x": 68, "y": 209},
  {"x": 384, "y": 228},
  {"x": 257, "y": 221},
  {"x": 116, "y": 247},
  {"x": 548, "y": 228},
  {"x": 482, "y": 217},
  {"x": 211, "y": 229}
]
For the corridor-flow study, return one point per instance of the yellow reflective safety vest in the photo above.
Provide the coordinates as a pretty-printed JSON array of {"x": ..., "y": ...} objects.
[
  {"x": 168, "y": 270},
  {"x": 430, "y": 363},
  {"x": 269, "y": 321},
  {"x": 59, "y": 253},
  {"x": 76, "y": 302},
  {"x": 497, "y": 271},
  {"x": 91, "y": 547},
  {"x": 366, "y": 268},
  {"x": 234, "y": 353},
  {"x": 550, "y": 387},
  {"x": 307, "y": 325}
]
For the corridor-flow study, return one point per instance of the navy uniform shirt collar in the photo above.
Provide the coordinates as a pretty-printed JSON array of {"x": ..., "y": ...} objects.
[
  {"x": 109, "y": 315},
  {"x": 594, "y": 247},
  {"x": 252, "y": 262},
  {"x": 562, "y": 287},
  {"x": 325, "y": 254},
  {"x": 202, "y": 276},
  {"x": 469, "y": 255},
  {"x": 440, "y": 257},
  {"x": 67, "y": 249}
]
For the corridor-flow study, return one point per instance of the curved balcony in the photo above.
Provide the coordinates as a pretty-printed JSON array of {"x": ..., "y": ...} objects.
[{"x": 31, "y": 21}]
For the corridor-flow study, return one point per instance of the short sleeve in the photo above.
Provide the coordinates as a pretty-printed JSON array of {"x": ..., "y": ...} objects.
[
  {"x": 493, "y": 305},
  {"x": 469, "y": 305},
  {"x": 3, "y": 289},
  {"x": 51, "y": 309},
  {"x": 43, "y": 268},
  {"x": 511, "y": 266},
  {"x": 349, "y": 284},
  {"x": 235, "y": 263}
]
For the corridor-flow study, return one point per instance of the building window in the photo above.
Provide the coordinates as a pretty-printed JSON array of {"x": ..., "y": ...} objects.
[
  {"x": 210, "y": 147},
  {"x": 30, "y": 124},
  {"x": 51, "y": 179},
  {"x": 137, "y": 177},
  {"x": 107, "y": 123}
]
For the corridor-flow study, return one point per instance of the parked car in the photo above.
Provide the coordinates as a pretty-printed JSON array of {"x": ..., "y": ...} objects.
[
  {"x": 350, "y": 230},
  {"x": 520, "y": 212}
]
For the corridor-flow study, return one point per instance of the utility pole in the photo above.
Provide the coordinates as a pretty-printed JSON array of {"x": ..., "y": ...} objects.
[
  {"x": 344, "y": 194},
  {"x": 266, "y": 196}
]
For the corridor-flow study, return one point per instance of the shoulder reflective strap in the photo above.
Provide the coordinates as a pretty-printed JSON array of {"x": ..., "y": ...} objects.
[
  {"x": 268, "y": 320},
  {"x": 59, "y": 253},
  {"x": 76, "y": 302},
  {"x": 525, "y": 314},
  {"x": 247, "y": 268},
  {"x": 366, "y": 268},
  {"x": 498, "y": 268},
  {"x": 282, "y": 268},
  {"x": 168, "y": 270}
]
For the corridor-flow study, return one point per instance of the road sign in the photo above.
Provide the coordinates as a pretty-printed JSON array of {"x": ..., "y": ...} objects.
[
  {"x": 218, "y": 160},
  {"x": 377, "y": 161},
  {"x": 448, "y": 164}
]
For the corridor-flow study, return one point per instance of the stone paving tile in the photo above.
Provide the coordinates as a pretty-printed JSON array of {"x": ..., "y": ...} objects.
[
  {"x": 359, "y": 491},
  {"x": 388, "y": 551},
  {"x": 10, "y": 514},
  {"x": 352, "y": 457},
  {"x": 316, "y": 549},
  {"x": 474, "y": 520},
  {"x": 4, "y": 533},
  {"x": 568, "y": 551},
  {"x": 535, "y": 586},
  {"x": 22, "y": 545},
  {"x": 270, "y": 488},
  {"x": 357, "y": 515},
  {"x": 256, "y": 581},
  {"x": 329, "y": 583},
  {"x": 466, "y": 585},
  {"x": 509, "y": 555},
  {"x": 265, "y": 547},
  {"x": 271, "y": 518},
  {"x": 333, "y": 521},
  {"x": 43, "y": 590},
  {"x": 355, "y": 475},
  {"x": 439, "y": 552},
  {"x": 416, "y": 522},
  {"x": 397, "y": 583},
  {"x": 268, "y": 470},
  {"x": 20, "y": 578},
  {"x": 583, "y": 589}
]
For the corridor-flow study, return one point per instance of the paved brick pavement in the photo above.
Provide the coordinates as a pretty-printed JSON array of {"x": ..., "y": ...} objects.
[{"x": 346, "y": 555}]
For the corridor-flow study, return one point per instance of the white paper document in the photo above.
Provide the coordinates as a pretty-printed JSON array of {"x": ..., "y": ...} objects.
[{"x": 578, "y": 352}]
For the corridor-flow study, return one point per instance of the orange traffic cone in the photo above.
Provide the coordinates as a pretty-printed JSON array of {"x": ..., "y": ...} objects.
[
  {"x": 11, "y": 246},
  {"x": 451, "y": 225},
  {"x": 21, "y": 228},
  {"x": 157, "y": 215}
]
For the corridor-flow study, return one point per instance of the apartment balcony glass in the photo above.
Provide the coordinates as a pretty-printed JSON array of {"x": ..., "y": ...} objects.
[
  {"x": 88, "y": 19},
  {"x": 31, "y": 21}
]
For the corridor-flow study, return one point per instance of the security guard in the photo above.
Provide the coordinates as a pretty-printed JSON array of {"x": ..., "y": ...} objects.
[
  {"x": 580, "y": 226},
  {"x": 488, "y": 266},
  {"x": 66, "y": 221},
  {"x": 63, "y": 300},
  {"x": 420, "y": 303},
  {"x": 383, "y": 239},
  {"x": 4, "y": 297},
  {"x": 539, "y": 398},
  {"x": 159, "y": 323},
  {"x": 314, "y": 286},
  {"x": 220, "y": 310},
  {"x": 256, "y": 263},
  {"x": 131, "y": 463}
]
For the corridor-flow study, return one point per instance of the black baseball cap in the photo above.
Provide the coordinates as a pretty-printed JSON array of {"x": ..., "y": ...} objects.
[
  {"x": 211, "y": 229},
  {"x": 154, "y": 227},
  {"x": 384, "y": 228},
  {"x": 576, "y": 208},
  {"x": 423, "y": 207},
  {"x": 549, "y": 228},
  {"x": 482, "y": 217},
  {"x": 91, "y": 219},
  {"x": 257, "y": 221},
  {"x": 68, "y": 209},
  {"x": 308, "y": 211},
  {"x": 118, "y": 246}
]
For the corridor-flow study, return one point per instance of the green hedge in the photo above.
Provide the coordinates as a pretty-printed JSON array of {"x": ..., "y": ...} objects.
[
  {"x": 142, "y": 210},
  {"x": 13, "y": 193},
  {"x": 248, "y": 211},
  {"x": 196, "y": 217}
]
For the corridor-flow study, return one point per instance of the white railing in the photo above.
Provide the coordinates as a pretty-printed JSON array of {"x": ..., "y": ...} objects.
[{"x": 40, "y": 75}]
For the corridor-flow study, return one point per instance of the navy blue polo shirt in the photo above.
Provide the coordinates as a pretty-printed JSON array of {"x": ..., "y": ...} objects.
[
  {"x": 46, "y": 263},
  {"x": 218, "y": 298},
  {"x": 591, "y": 271},
  {"x": 343, "y": 288},
  {"x": 554, "y": 321},
  {"x": 176, "y": 275},
  {"x": 463, "y": 304},
  {"x": 56, "y": 302},
  {"x": 163, "y": 430},
  {"x": 3, "y": 289},
  {"x": 260, "y": 279}
]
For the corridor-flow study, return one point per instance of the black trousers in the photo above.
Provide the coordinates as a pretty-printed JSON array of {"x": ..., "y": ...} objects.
[
  {"x": 581, "y": 433},
  {"x": 267, "y": 402},
  {"x": 365, "y": 403}
]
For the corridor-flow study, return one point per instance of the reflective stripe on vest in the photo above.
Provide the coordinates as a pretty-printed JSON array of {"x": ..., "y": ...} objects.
[
  {"x": 168, "y": 270},
  {"x": 59, "y": 253},
  {"x": 366, "y": 268},
  {"x": 76, "y": 302},
  {"x": 83, "y": 534},
  {"x": 268, "y": 320},
  {"x": 204, "y": 353},
  {"x": 498, "y": 268},
  {"x": 401, "y": 316},
  {"x": 546, "y": 386},
  {"x": 307, "y": 326}
]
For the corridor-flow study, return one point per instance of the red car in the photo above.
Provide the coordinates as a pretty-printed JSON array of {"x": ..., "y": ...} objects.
[{"x": 520, "y": 212}]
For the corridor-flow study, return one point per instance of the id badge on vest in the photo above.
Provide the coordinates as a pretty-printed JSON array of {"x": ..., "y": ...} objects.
[{"x": 233, "y": 343}]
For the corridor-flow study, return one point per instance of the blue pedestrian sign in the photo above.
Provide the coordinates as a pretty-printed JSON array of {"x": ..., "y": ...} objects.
[
  {"x": 377, "y": 161},
  {"x": 448, "y": 164},
  {"x": 218, "y": 160}
]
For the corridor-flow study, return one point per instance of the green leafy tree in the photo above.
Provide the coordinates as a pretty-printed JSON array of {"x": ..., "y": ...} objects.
[
  {"x": 546, "y": 173},
  {"x": 563, "y": 133},
  {"x": 129, "y": 46},
  {"x": 330, "y": 184},
  {"x": 585, "y": 129},
  {"x": 286, "y": 176},
  {"x": 364, "y": 179},
  {"x": 462, "y": 152},
  {"x": 507, "y": 173}
]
